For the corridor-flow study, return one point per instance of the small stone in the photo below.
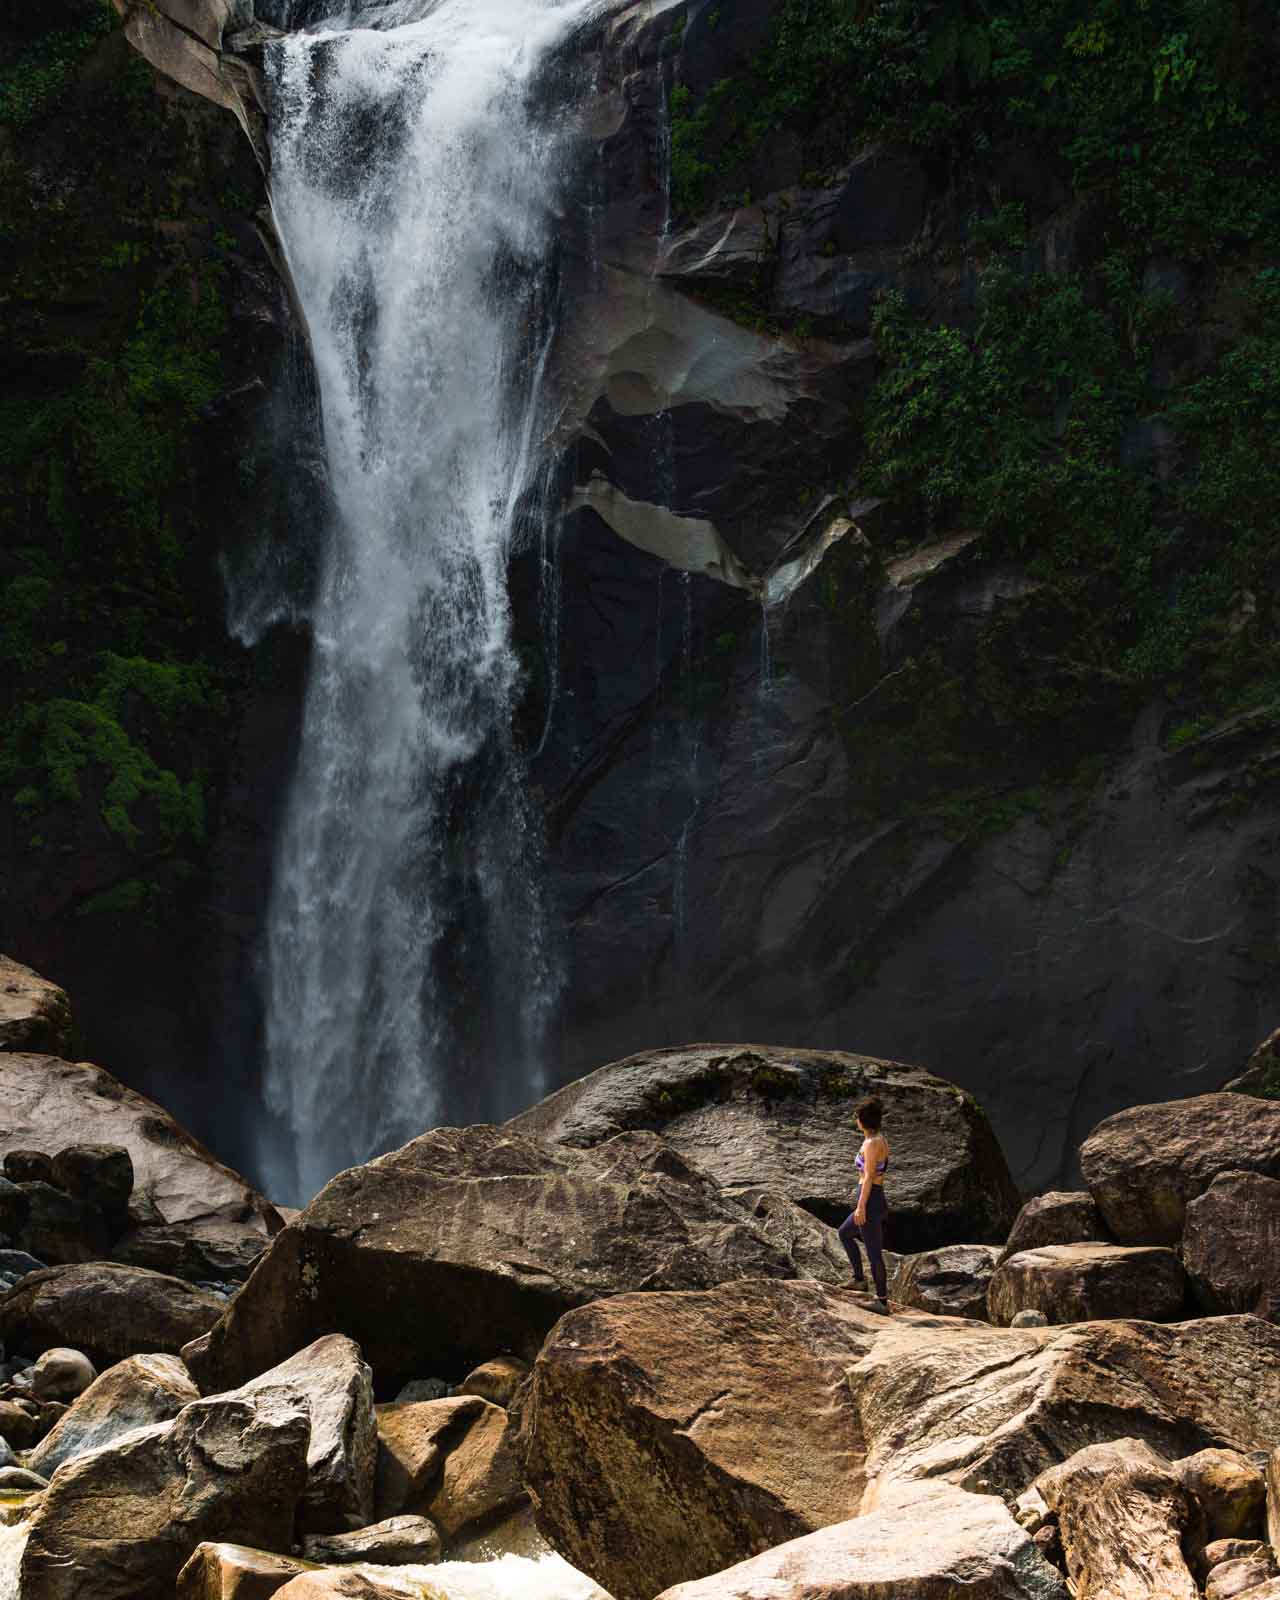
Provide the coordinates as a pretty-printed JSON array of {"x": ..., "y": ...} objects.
[
  {"x": 422, "y": 1389},
  {"x": 19, "y": 1478},
  {"x": 1237, "y": 1576},
  {"x": 496, "y": 1380},
  {"x": 28, "y": 1166},
  {"x": 395, "y": 1542},
  {"x": 61, "y": 1374},
  {"x": 1029, "y": 1319}
]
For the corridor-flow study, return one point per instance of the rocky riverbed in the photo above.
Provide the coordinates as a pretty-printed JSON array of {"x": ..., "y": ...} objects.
[{"x": 583, "y": 1354}]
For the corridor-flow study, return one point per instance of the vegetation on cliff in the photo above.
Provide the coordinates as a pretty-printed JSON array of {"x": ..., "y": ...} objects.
[
  {"x": 123, "y": 231},
  {"x": 1079, "y": 356}
]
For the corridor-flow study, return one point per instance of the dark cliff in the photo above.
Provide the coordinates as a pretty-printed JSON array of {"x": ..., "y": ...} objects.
[{"x": 954, "y": 337}]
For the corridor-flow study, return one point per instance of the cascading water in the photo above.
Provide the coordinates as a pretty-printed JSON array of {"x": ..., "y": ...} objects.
[{"x": 413, "y": 187}]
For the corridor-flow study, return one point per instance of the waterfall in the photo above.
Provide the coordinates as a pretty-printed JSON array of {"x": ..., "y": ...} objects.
[{"x": 414, "y": 188}]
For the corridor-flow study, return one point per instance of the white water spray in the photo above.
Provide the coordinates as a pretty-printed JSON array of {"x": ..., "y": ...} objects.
[{"x": 414, "y": 189}]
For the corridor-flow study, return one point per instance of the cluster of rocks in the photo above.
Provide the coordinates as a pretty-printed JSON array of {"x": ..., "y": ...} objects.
[{"x": 644, "y": 1355}]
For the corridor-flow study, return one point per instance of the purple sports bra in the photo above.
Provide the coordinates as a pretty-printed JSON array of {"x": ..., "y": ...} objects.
[{"x": 881, "y": 1168}]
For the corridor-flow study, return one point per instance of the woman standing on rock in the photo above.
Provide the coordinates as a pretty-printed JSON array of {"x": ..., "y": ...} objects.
[{"x": 866, "y": 1221}]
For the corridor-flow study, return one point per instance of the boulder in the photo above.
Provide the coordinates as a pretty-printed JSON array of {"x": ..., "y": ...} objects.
[
  {"x": 340, "y": 1584},
  {"x": 1240, "y": 1575},
  {"x": 1082, "y": 1282},
  {"x": 56, "y": 1227},
  {"x": 1228, "y": 1498},
  {"x": 48, "y": 1104},
  {"x": 480, "y": 1479},
  {"x": 496, "y": 1381},
  {"x": 1121, "y": 1509},
  {"x": 135, "y": 1393},
  {"x": 61, "y": 1374},
  {"x": 34, "y": 1013},
  {"x": 1060, "y": 1217},
  {"x": 469, "y": 1238},
  {"x": 20, "y": 1480},
  {"x": 99, "y": 1176},
  {"x": 1261, "y": 1075},
  {"x": 960, "y": 1543},
  {"x": 342, "y": 1453},
  {"x": 120, "y": 1522},
  {"x": 15, "y": 1207},
  {"x": 28, "y": 1166},
  {"x": 397, "y": 1542},
  {"x": 951, "y": 1281},
  {"x": 107, "y": 1311},
  {"x": 1273, "y": 1500},
  {"x": 811, "y": 1244},
  {"x": 758, "y": 1116},
  {"x": 235, "y": 1572},
  {"x": 1144, "y": 1166},
  {"x": 1028, "y": 1319},
  {"x": 413, "y": 1440},
  {"x": 1231, "y": 1245},
  {"x": 665, "y": 1436},
  {"x": 22, "y": 1424}
]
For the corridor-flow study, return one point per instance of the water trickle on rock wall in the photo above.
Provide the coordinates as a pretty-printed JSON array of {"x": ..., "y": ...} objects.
[{"x": 414, "y": 186}]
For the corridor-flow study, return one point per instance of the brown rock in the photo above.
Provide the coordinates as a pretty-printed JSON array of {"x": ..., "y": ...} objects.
[
  {"x": 760, "y": 1116},
  {"x": 50, "y": 1104},
  {"x": 1227, "y": 1495},
  {"x": 481, "y": 1477},
  {"x": 1261, "y": 1075},
  {"x": 338, "y": 1583},
  {"x": 1121, "y": 1509},
  {"x": 119, "y": 1523},
  {"x": 413, "y": 1440},
  {"x": 1231, "y": 1245},
  {"x": 1238, "y": 1575},
  {"x": 107, "y": 1311},
  {"x": 133, "y": 1394},
  {"x": 28, "y": 1166},
  {"x": 1084, "y": 1282},
  {"x": 61, "y": 1374},
  {"x": 957, "y": 1543},
  {"x": 496, "y": 1381},
  {"x": 21, "y": 1425},
  {"x": 667, "y": 1435},
  {"x": 397, "y": 1542},
  {"x": 474, "y": 1237},
  {"x": 235, "y": 1572},
  {"x": 951, "y": 1281},
  {"x": 1273, "y": 1500},
  {"x": 34, "y": 1013},
  {"x": 1060, "y": 1217},
  {"x": 342, "y": 1452},
  {"x": 1144, "y": 1166}
]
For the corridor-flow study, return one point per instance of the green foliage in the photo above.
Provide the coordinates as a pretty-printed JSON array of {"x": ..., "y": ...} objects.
[
  {"x": 33, "y": 85},
  {"x": 1161, "y": 112}
]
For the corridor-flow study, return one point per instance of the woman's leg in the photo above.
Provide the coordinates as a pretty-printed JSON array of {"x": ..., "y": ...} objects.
[
  {"x": 849, "y": 1234},
  {"x": 873, "y": 1238}
]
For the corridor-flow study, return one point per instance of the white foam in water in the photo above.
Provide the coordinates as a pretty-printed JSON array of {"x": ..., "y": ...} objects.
[
  {"x": 510, "y": 1577},
  {"x": 414, "y": 188},
  {"x": 13, "y": 1541}
]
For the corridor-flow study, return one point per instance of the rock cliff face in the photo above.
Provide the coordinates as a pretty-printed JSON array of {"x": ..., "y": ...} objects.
[{"x": 817, "y": 763}]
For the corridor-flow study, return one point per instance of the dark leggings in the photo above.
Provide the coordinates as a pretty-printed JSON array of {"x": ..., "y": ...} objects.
[{"x": 872, "y": 1235}]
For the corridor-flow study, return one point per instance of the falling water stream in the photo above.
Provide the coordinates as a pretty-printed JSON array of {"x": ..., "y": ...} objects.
[{"x": 414, "y": 187}]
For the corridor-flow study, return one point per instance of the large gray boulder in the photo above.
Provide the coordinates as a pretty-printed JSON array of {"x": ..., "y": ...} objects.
[
  {"x": 667, "y": 1436},
  {"x": 933, "y": 1545},
  {"x": 760, "y": 1116},
  {"x": 106, "y": 1310},
  {"x": 1145, "y": 1165},
  {"x": 183, "y": 1199},
  {"x": 120, "y": 1522},
  {"x": 1231, "y": 1245},
  {"x": 1079, "y": 1282},
  {"x": 473, "y": 1239},
  {"x": 34, "y": 1013},
  {"x": 135, "y": 1393},
  {"x": 342, "y": 1453},
  {"x": 951, "y": 1281}
]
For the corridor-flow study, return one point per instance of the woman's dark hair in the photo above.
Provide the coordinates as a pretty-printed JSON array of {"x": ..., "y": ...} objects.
[{"x": 870, "y": 1114}]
